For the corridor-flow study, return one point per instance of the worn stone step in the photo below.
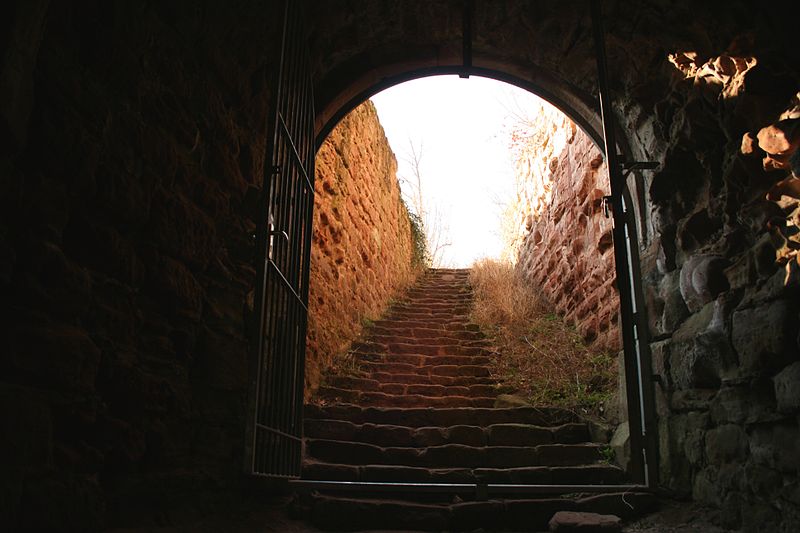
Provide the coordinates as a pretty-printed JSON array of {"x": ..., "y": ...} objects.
[
  {"x": 388, "y": 377},
  {"x": 440, "y": 340},
  {"x": 436, "y": 349},
  {"x": 351, "y": 513},
  {"x": 405, "y": 436},
  {"x": 383, "y": 399},
  {"x": 437, "y": 296},
  {"x": 595, "y": 474},
  {"x": 461, "y": 324},
  {"x": 418, "y": 417},
  {"x": 422, "y": 360},
  {"x": 427, "y": 370},
  {"x": 440, "y": 283},
  {"x": 452, "y": 455},
  {"x": 425, "y": 389},
  {"x": 422, "y": 314},
  {"x": 400, "y": 352},
  {"x": 425, "y": 333},
  {"x": 433, "y": 306}
]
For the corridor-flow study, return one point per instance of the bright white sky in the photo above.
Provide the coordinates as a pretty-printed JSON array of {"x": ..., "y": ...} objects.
[{"x": 466, "y": 167}]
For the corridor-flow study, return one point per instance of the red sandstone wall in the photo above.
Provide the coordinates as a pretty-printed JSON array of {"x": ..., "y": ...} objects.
[
  {"x": 564, "y": 243},
  {"x": 361, "y": 252}
]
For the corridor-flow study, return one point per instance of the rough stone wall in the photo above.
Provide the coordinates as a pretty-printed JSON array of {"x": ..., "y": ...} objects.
[
  {"x": 722, "y": 282},
  {"x": 361, "y": 253},
  {"x": 563, "y": 242},
  {"x": 129, "y": 136}
]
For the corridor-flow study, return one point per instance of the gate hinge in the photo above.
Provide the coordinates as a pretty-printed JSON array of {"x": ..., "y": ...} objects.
[{"x": 630, "y": 166}]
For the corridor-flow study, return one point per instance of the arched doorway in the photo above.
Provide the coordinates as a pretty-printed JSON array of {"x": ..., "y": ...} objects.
[{"x": 341, "y": 91}]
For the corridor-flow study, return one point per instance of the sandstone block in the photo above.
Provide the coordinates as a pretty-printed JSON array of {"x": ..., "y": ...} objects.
[
  {"x": 749, "y": 144},
  {"x": 725, "y": 444},
  {"x": 702, "y": 279},
  {"x": 765, "y": 337},
  {"x": 780, "y": 138},
  {"x": 621, "y": 444},
  {"x": 174, "y": 285},
  {"x": 675, "y": 308},
  {"x": 692, "y": 399},
  {"x": 705, "y": 488},
  {"x": 681, "y": 446},
  {"x": 575, "y": 522},
  {"x": 63, "y": 355},
  {"x": 787, "y": 388},
  {"x": 26, "y": 426},
  {"x": 745, "y": 404},
  {"x": 700, "y": 354},
  {"x": 776, "y": 445},
  {"x": 66, "y": 502},
  {"x": 763, "y": 481}
]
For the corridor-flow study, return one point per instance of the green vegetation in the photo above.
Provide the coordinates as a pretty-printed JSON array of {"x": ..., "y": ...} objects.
[
  {"x": 540, "y": 356},
  {"x": 607, "y": 454},
  {"x": 419, "y": 257}
]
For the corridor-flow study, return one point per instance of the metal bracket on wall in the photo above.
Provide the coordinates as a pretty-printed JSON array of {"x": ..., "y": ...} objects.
[{"x": 630, "y": 166}]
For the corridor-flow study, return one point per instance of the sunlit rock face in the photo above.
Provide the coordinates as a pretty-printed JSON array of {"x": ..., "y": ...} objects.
[
  {"x": 560, "y": 235},
  {"x": 361, "y": 250}
]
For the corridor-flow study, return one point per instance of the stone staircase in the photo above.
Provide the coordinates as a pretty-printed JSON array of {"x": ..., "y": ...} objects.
[{"x": 418, "y": 406}]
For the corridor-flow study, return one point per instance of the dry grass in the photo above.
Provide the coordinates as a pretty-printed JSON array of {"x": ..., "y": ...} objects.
[{"x": 540, "y": 356}]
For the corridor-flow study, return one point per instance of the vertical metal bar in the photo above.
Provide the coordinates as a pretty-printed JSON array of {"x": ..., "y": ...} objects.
[
  {"x": 627, "y": 323},
  {"x": 262, "y": 253},
  {"x": 283, "y": 296},
  {"x": 466, "y": 37}
]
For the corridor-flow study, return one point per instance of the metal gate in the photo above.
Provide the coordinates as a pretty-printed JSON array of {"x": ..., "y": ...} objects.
[
  {"x": 638, "y": 371},
  {"x": 283, "y": 243}
]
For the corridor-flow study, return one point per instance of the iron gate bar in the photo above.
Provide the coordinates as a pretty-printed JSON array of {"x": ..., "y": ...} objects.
[
  {"x": 277, "y": 432},
  {"x": 296, "y": 155},
  {"x": 302, "y": 485},
  {"x": 637, "y": 391},
  {"x": 466, "y": 37},
  {"x": 275, "y": 429},
  {"x": 287, "y": 284}
]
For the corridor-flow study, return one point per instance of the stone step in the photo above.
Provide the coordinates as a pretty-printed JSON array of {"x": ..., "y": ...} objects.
[
  {"x": 352, "y": 513},
  {"x": 437, "y": 295},
  {"x": 425, "y": 389},
  {"x": 419, "y": 417},
  {"x": 452, "y": 455},
  {"x": 595, "y": 474},
  {"x": 425, "y": 314},
  {"x": 388, "y": 377},
  {"x": 425, "y": 347},
  {"x": 425, "y": 333},
  {"x": 434, "y": 306},
  {"x": 382, "y": 399},
  {"x": 461, "y": 324},
  {"x": 428, "y": 370},
  {"x": 422, "y": 360},
  {"x": 441, "y": 340},
  {"x": 443, "y": 285},
  {"x": 420, "y": 349},
  {"x": 403, "y": 436}
]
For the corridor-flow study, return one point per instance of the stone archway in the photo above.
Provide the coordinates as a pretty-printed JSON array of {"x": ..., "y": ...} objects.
[
  {"x": 369, "y": 72},
  {"x": 687, "y": 113}
]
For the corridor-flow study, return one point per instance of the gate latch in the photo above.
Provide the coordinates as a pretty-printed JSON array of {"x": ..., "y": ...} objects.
[{"x": 606, "y": 203}]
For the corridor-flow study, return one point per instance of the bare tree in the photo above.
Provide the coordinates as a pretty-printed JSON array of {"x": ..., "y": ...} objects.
[{"x": 437, "y": 232}]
